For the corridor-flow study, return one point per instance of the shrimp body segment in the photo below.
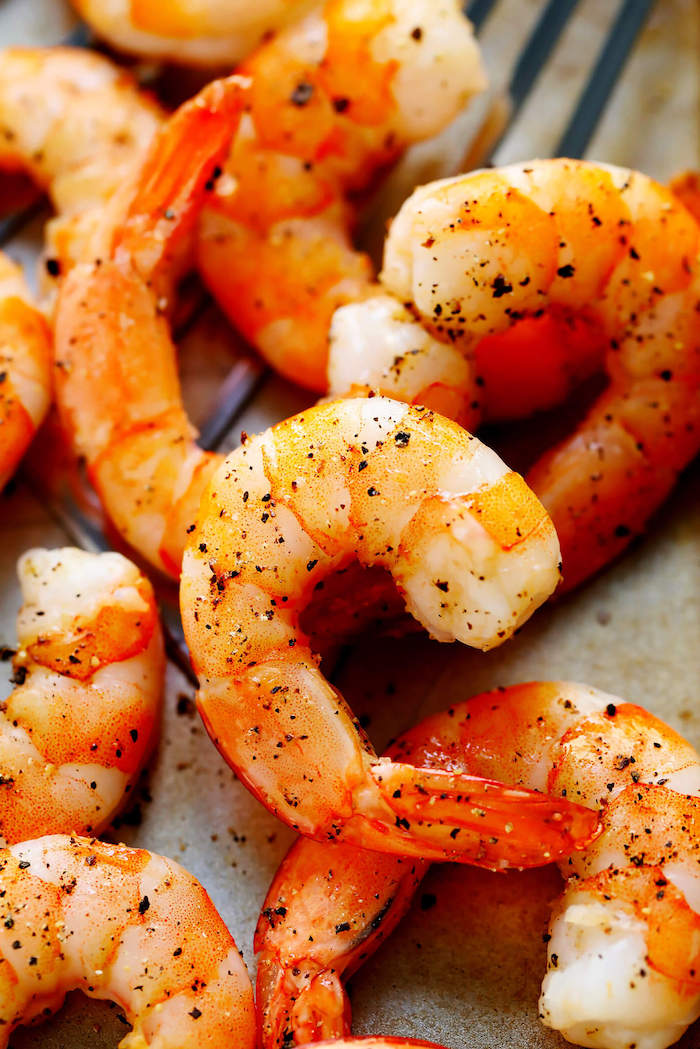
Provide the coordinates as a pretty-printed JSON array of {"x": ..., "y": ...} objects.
[
  {"x": 201, "y": 33},
  {"x": 623, "y": 954},
  {"x": 472, "y": 553},
  {"x": 325, "y": 913},
  {"x": 121, "y": 924},
  {"x": 25, "y": 368},
  {"x": 335, "y": 100},
  {"x": 477, "y": 253},
  {"x": 323, "y": 916},
  {"x": 77, "y": 124},
  {"x": 116, "y": 384},
  {"x": 77, "y": 729}
]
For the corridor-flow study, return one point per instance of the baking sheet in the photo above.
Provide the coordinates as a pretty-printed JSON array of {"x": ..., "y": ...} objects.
[{"x": 464, "y": 972}]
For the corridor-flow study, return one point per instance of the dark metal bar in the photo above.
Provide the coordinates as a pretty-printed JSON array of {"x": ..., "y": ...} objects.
[
  {"x": 549, "y": 27},
  {"x": 604, "y": 75},
  {"x": 14, "y": 224},
  {"x": 540, "y": 44},
  {"x": 238, "y": 388},
  {"x": 478, "y": 11},
  {"x": 81, "y": 36},
  {"x": 175, "y": 644}
]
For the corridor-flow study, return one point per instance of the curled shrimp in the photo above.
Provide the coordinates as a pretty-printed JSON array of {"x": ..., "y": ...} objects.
[
  {"x": 473, "y": 555},
  {"x": 25, "y": 368},
  {"x": 477, "y": 253},
  {"x": 204, "y": 33},
  {"x": 335, "y": 99},
  {"x": 77, "y": 729},
  {"x": 323, "y": 916},
  {"x": 116, "y": 383},
  {"x": 78, "y": 124},
  {"x": 623, "y": 945},
  {"x": 122, "y": 924}
]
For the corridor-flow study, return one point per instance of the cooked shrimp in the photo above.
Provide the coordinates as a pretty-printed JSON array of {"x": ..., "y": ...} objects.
[
  {"x": 116, "y": 384},
  {"x": 325, "y": 913},
  {"x": 473, "y": 555},
  {"x": 625, "y": 936},
  {"x": 323, "y": 916},
  {"x": 25, "y": 368},
  {"x": 335, "y": 99},
  {"x": 81, "y": 722},
  {"x": 686, "y": 187},
  {"x": 122, "y": 924},
  {"x": 476, "y": 253},
  {"x": 199, "y": 33},
  {"x": 78, "y": 124},
  {"x": 116, "y": 381}
]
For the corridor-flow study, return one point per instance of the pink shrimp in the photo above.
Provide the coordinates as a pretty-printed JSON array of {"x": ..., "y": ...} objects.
[
  {"x": 479, "y": 252},
  {"x": 117, "y": 385},
  {"x": 79, "y": 726},
  {"x": 78, "y": 124},
  {"x": 203, "y": 33},
  {"x": 122, "y": 924},
  {"x": 473, "y": 555},
  {"x": 25, "y": 368},
  {"x": 624, "y": 954},
  {"x": 335, "y": 100}
]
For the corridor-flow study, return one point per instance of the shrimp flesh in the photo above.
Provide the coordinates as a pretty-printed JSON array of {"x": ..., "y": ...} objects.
[
  {"x": 116, "y": 383},
  {"x": 78, "y": 124},
  {"x": 77, "y": 729},
  {"x": 335, "y": 100},
  {"x": 686, "y": 187},
  {"x": 624, "y": 941},
  {"x": 122, "y": 924},
  {"x": 25, "y": 368},
  {"x": 474, "y": 255},
  {"x": 473, "y": 555},
  {"x": 203, "y": 33}
]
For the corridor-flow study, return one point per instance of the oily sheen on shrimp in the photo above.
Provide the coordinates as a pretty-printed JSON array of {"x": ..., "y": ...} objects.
[
  {"x": 471, "y": 551},
  {"x": 624, "y": 938},
  {"x": 77, "y": 729},
  {"x": 125, "y": 925},
  {"x": 478, "y": 253}
]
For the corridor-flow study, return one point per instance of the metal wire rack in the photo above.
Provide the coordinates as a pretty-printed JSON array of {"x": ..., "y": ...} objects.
[{"x": 248, "y": 375}]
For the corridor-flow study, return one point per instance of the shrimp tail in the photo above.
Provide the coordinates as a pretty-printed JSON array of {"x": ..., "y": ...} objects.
[
  {"x": 181, "y": 166},
  {"x": 317, "y": 926},
  {"x": 290, "y": 1016},
  {"x": 482, "y": 821}
]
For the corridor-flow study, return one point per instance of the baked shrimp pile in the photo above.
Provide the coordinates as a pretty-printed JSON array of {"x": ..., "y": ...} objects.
[
  {"x": 622, "y": 946},
  {"x": 502, "y": 291}
]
